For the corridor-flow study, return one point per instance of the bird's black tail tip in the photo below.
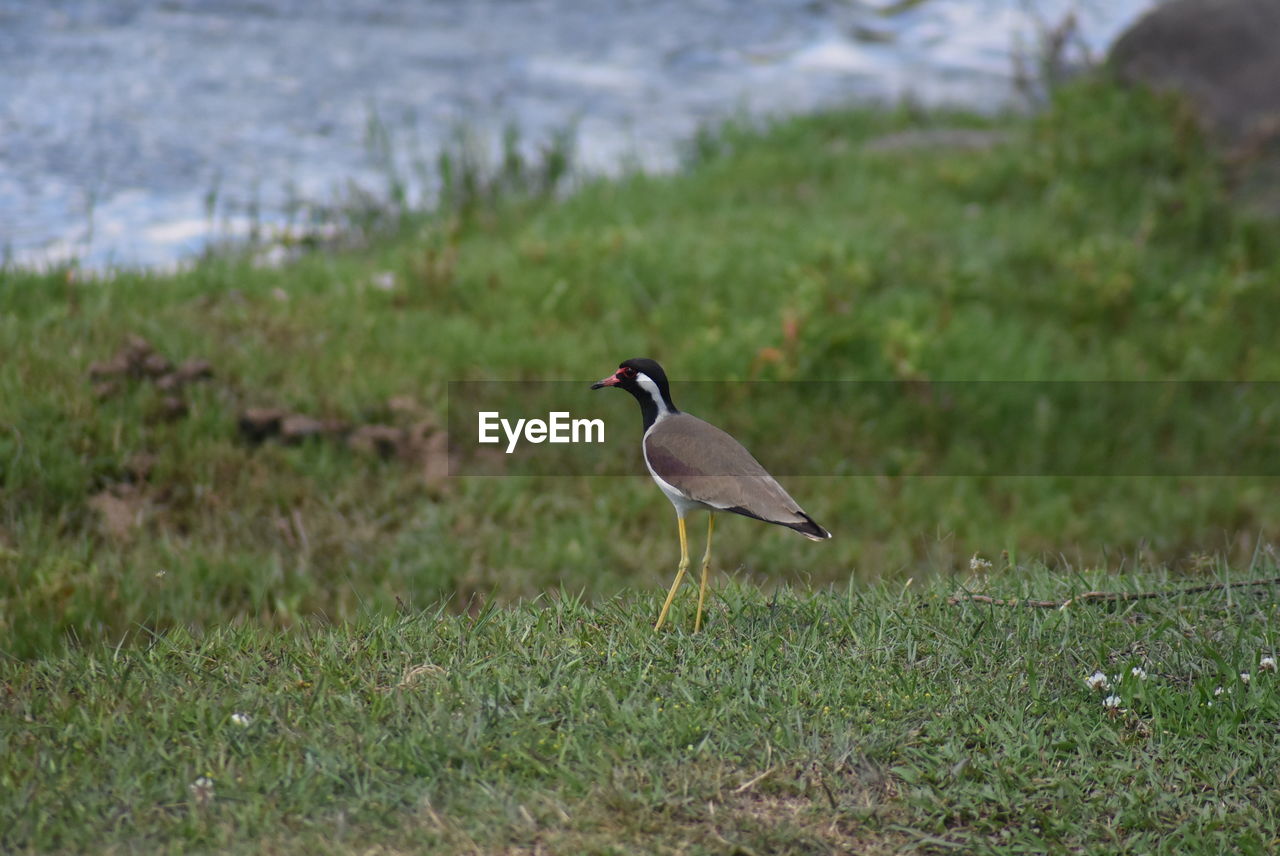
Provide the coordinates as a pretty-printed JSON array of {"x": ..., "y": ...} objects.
[{"x": 810, "y": 529}]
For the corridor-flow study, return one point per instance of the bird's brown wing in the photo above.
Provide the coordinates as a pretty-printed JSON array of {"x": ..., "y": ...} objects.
[{"x": 707, "y": 465}]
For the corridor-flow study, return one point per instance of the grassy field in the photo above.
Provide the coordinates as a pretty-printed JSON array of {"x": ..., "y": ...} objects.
[
  {"x": 160, "y": 572},
  {"x": 1095, "y": 244},
  {"x": 864, "y": 719}
]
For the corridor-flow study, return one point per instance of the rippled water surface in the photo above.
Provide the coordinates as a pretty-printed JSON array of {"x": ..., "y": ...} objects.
[{"x": 123, "y": 124}]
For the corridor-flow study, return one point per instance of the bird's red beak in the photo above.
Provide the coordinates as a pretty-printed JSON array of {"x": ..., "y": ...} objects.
[{"x": 611, "y": 380}]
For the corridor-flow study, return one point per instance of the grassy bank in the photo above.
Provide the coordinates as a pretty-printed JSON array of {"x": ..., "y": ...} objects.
[
  {"x": 215, "y": 641},
  {"x": 1092, "y": 243},
  {"x": 867, "y": 719}
]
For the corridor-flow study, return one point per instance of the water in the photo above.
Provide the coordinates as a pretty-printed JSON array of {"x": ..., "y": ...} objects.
[{"x": 134, "y": 132}]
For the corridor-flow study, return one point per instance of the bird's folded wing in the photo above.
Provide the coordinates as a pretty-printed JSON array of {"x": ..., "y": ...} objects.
[{"x": 707, "y": 465}]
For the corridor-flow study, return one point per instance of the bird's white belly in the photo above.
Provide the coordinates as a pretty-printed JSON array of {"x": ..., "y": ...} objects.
[{"x": 682, "y": 503}]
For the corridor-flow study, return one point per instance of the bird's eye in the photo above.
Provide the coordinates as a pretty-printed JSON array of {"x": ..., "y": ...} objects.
[{"x": 628, "y": 372}]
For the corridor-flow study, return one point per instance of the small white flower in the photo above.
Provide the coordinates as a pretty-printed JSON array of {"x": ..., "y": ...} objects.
[
  {"x": 1139, "y": 673},
  {"x": 1218, "y": 691},
  {"x": 241, "y": 719},
  {"x": 977, "y": 563},
  {"x": 384, "y": 281},
  {"x": 1245, "y": 677},
  {"x": 1111, "y": 702},
  {"x": 1097, "y": 681},
  {"x": 201, "y": 790},
  {"x": 1267, "y": 664}
]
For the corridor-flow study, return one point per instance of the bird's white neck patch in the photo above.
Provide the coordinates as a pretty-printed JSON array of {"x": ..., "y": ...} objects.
[{"x": 650, "y": 386}]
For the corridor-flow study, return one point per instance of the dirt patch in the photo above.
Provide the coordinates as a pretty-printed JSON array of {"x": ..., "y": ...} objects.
[
  {"x": 404, "y": 430},
  {"x": 383, "y": 440},
  {"x": 121, "y": 509},
  {"x": 259, "y": 424},
  {"x": 789, "y": 816},
  {"x": 418, "y": 443},
  {"x": 703, "y": 812},
  {"x": 139, "y": 361}
]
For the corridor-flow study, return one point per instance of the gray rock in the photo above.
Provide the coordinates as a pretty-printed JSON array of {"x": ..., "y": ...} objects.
[{"x": 1223, "y": 56}]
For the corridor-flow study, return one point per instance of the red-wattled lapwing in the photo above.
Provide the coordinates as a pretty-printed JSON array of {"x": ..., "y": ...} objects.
[{"x": 699, "y": 466}]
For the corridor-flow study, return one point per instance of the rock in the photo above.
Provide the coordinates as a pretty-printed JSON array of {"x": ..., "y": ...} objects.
[
  {"x": 259, "y": 423},
  {"x": 1220, "y": 55}
]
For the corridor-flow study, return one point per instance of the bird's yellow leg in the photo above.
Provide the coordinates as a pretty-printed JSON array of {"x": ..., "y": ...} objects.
[
  {"x": 706, "y": 571},
  {"x": 684, "y": 566}
]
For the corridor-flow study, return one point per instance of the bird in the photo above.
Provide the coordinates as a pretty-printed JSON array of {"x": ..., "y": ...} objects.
[{"x": 699, "y": 466}]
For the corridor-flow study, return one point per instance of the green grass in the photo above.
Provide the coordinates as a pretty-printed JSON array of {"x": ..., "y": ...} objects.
[
  {"x": 870, "y": 718},
  {"x": 159, "y": 575},
  {"x": 1096, "y": 244}
]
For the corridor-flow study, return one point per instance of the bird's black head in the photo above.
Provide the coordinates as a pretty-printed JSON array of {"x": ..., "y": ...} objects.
[{"x": 647, "y": 382}]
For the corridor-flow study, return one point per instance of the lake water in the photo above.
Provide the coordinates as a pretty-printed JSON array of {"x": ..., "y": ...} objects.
[{"x": 125, "y": 125}]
